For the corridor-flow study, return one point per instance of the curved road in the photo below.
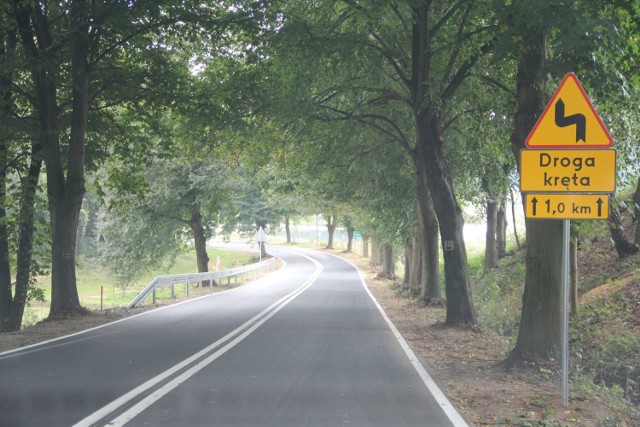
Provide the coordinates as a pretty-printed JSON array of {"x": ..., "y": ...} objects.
[{"x": 304, "y": 346}]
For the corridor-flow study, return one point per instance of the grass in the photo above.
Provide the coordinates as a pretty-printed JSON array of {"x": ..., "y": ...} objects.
[{"x": 95, "y": 282}]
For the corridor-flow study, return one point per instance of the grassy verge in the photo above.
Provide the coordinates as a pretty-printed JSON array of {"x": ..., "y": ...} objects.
[{"x": 605, "y": 333}]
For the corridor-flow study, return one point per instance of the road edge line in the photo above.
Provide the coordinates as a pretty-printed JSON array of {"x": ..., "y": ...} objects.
[{"x": 443, "y": 401}]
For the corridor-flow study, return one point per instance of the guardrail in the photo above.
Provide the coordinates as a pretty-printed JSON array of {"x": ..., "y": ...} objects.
[{"x": 199, "y": 278}]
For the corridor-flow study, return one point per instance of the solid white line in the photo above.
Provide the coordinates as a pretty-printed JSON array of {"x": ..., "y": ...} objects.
[
  {"x": 447, "y": 407},
  {"x": 171, "y": 385},
  {"x": 258, "y": 320}
]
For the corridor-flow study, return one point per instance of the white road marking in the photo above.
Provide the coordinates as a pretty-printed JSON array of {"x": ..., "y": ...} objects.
[
  {"x": 54, "y": 342},
  {"x": 447, "y": 407},
  {"x": 237, "y": 335}
]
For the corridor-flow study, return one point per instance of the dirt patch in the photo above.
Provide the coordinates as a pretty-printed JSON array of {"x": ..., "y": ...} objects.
[{"x": 467, "y": 365}]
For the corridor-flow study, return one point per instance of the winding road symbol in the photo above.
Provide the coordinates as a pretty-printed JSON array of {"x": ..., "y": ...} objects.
[
  {"x": 567, "y": 119},
  {"x": 575, "y": 119}
]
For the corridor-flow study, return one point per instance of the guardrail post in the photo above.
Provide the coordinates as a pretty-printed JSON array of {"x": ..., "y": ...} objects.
[
  {"x": 187, "y": 286},
  {"x": 154, "y": 296},
  {"x": 173, "y": 291}
]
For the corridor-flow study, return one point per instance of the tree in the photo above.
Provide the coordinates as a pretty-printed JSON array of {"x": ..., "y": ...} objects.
[
  {"x": 24, "y": 160},
  {"x": 175, "y": 198},
  {"x": 403, "y": 65}
]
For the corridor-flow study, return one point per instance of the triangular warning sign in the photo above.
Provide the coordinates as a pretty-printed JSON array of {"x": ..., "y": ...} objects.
[{"x": 569, "y": 120}]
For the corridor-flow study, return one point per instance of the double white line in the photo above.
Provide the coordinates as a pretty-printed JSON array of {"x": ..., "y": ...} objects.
[{"x": 184, "y": 370}]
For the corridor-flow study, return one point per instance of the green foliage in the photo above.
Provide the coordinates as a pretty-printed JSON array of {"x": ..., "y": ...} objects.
[
  {"x": 607, "y": 344},
  {"x": 498, "y": 295},
  {"x": 144, "y": 229}
]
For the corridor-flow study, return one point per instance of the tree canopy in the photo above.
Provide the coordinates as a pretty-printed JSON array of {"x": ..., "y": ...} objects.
[{"x": 196, "y": 118}]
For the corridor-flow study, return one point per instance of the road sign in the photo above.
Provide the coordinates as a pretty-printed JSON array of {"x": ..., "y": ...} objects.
[
  {"x": 261, "y": 236},
  {"x": 585, "y": 171},
  {"x": 567, "y": 206},
  {"x": 569, "y": 120}
]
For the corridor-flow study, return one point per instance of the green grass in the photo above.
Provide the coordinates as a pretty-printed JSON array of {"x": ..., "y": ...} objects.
[{"x": 92, "y": 279}]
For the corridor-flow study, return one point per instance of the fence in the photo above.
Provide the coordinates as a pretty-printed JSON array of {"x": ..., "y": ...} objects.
[{"x": 200, "y": 278}]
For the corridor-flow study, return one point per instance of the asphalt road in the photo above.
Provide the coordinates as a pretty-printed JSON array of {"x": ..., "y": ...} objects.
[{"x": 304, "y": 346}]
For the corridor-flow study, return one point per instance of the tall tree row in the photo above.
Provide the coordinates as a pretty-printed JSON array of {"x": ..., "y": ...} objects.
[
  {"x": 83, "y": 59},
  {"x": 410, "y": 61}
]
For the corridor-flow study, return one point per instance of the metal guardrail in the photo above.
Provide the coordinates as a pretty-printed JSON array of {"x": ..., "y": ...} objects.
[{"x": 198, "y": 278}]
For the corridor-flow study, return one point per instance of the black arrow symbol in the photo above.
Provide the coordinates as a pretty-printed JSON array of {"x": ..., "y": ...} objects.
[
  {"x": 599, "y": 202},
  {"x": 576, "y": 119},
  {"x": 534, "y": 203}
]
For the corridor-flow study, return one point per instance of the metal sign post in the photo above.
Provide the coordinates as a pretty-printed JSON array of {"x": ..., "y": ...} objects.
[{"x": 566, "y": 226}]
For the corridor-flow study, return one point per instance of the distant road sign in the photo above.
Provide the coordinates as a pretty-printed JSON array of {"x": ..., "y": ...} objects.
[
  {"x": 261, "y": 236},
  {"x": 585, "y": 171},
  {"x": 567, "y": 206},
  {"x": 569, "y": 121}
]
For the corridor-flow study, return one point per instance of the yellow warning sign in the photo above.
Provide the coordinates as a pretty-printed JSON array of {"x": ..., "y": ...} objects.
[
  {"x": 567, "y": 206},
  {"x": 569, "y": 120},
  {"x": 584, "y": 171}
]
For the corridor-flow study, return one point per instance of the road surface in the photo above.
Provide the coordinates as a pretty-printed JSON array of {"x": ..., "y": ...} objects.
[{"x": 304, "y": 346}]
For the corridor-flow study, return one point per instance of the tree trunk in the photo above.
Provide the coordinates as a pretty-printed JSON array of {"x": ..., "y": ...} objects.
[
  {"x": 200, "y": 240},
  {"x": 64, "y": 294},
  {"x": 287, "y": 228},
  {"x": 331, "y": 228},
  {"x": 513, "y": 218},
  {"x": 540, "y": 329},
  {"x": 636, "y": 201},
  {"x": 6, "y": 82},
  {"x": 65, "y": 195},
  {"x": 25, "y": 240},
  {"x": 501, "y": 231},
  {"x": 573, "y": 274},
  {"x": 432, "y": 163},
  {"x": 624, "y": 248},
  {"x": 491, "y": 245},
  {"x": 539, "y": 334},
  {"x": 408, "y": 252},
  {"x": 375, "y": 253},
  {"x": 5, "y": 266},
  {"x": 365, "y": 246},
  {"x": 415, "y": 282},
  {"x": 350, "y": 231},
  {"x": 429, "y": 273},
  {"x": 388, "y": 262}
]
